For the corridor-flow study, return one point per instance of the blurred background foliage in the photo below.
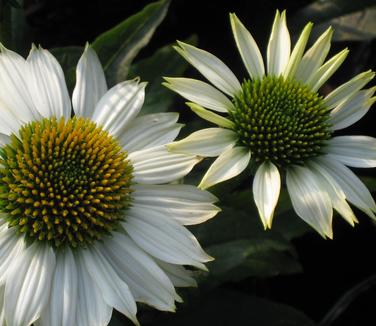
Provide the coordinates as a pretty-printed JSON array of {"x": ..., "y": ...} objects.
[{"x": 289, "y": 275}]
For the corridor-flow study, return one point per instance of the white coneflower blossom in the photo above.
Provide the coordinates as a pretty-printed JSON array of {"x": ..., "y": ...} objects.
[
  {"x": 88, "y": 219},
  {"x": 277, "y": 121}
]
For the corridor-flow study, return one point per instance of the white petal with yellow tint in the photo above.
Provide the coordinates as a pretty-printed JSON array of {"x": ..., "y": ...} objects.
[
  {"x": 229, "y": 164},
  {"x": 211, "y": 67},
  {"x": 248, "y": 49},
  {"x": 279, "y": 46},
  {"x": 266, "y": 188}
]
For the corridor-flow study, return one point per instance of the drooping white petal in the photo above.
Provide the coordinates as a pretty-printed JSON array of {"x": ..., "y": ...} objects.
[
  {"x": 179, "y": 276},
  {"x": 211, "y": 116},
  {"x": 297, "y": 53},
  {"x": 90, "y": 84},
  {"x": 266, "y": 188},
  {"x": 146, "y": 280},
  {"x": 47, "y": 85},
  {"x": 28, "y": 284},
  {"x": 279, "y": 46},
  {"x": 211, "y": 67},
  {"x": 208, "y": 142},
  {"x": 119, "y": 106},
  {"x": 200, "y": 93},
  {"x": 352, "y": 110},
  {"x": 356, "y": 151},
  {"x": 314, "y": 57},
  {"x": 327, "y": 70},
  {"x": 248, "y": 49},
  {"x": 61, "y": 310},
  {"x": 92, "y": 310},
  {"x": 310, "y": 201},
  {"x": 228, "y": 165},
  {"x": 347, "y": 89},
  {"x": 114, "y": 290},
  {"x": 15, "y": 97},
  {"x": 355, "y": 191},
  {"x": 150, "y": 130},
  {"x": 335, "y": 192},
  {"x": 164, "y": 238},
  {"x": 184, "y": 203},
  {"x": 157, "y": 165},
  {"x": 10, "y": 246}
]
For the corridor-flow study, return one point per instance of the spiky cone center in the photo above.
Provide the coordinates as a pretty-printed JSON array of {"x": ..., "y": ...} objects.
[
  {"x": 280, "y": 120},
  {"x": 64, "y": 182}
]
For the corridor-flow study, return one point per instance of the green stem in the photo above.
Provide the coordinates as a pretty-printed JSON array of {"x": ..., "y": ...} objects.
[{"x": 344, "y": 302}]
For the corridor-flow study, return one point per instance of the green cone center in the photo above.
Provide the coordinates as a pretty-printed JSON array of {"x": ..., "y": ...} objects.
[
  {"x": 65, "y": 182},
  {"x": 280, "y": 120}
]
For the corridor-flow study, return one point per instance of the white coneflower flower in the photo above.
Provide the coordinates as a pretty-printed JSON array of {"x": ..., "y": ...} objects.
[
  {"x": 87, "y": 221},
  {"x": 278, "y": 121}
]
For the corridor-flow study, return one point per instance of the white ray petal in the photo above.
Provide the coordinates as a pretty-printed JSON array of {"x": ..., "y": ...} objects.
[
  {"x": 211, "y": 116},
  {"x": 208, "y": 142},
  {"x": 61, "y": 309},
  {"x": 92, "y": 310},
  {"x": 352, "y": 110},
  {"x": 11, "y": 245},
  {"x": 229, "y": 164},
  {"x": 150, "y": 130},
  {"x": 47, "y": 85},
  {"x": 248, "y": 49},
  {"x": 266, "y": 188},
  {"x": 322, "y": 74},
  {"x": 279, "y": 46},
  {"x": 310, "y": 201},
  {"x": 211, "y": 67},
  {"x": 356, "y": 151},
  {"x": 90, "y": 84},
  {"x": 179, "y": 276},
  {"x": 355, "y": 191},
  {"x": 9, "y": 122},
  {"x": 200, "y": 93},
  {"x": 147, "y": 281},
  {"x": 297, "y": 53},
  {"x": 15, "y": 97},
  {"x": 164, "y": 238},
  {"x": 119, "y": 106},
  {"x": 115, "y": 291},
  {"x": 184, "y": 203},
  {"x": 314, "y": 57},
  {"x": 28, "y": 284},
  {"x": 157, "y": 165},
  {"x": 348, "y": 89}
]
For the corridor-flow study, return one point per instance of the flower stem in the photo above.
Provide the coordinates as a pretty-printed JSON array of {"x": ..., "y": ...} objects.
[{"x": 344, "y": 302}]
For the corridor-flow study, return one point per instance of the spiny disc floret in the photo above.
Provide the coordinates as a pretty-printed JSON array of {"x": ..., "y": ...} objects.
[
  {"x": 280, "y": 120},
  {"x": 64, "y": 182}
]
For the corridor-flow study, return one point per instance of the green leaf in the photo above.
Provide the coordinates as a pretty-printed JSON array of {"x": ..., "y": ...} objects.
[
  {"x": 321, "y": 11},
  {"x": 158, "y": 98},
  {"x": 240, "y": 259},
  {"x": 68, "y": 58},
  {"x": 117, "y": 47},
  {"x": 224, "y": 307},
  {"x": 242, "y": 248}
]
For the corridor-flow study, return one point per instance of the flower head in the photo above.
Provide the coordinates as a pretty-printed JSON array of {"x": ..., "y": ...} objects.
[
  {"x": 88, "y": 219},
  {"x": 278, "y": 121}
]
